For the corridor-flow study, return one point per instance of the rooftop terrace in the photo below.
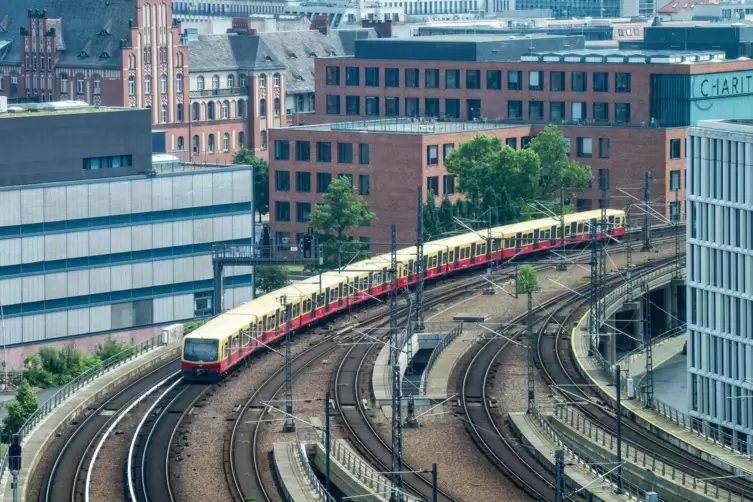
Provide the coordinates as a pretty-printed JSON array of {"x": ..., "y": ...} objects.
[{"x": 55, "y": 108}]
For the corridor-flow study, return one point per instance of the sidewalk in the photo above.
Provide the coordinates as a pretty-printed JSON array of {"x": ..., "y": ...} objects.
[
  {"x": 659, "y": 424},
  {"x": 439, "y": 376},
  {"x": 37, "y": 442}
]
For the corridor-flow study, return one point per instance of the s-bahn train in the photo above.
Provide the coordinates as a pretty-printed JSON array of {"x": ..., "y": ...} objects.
[{"x": 226, "y": 340}]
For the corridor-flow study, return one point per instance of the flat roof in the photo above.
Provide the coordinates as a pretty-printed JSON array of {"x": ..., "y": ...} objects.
[
  {"x": 621, "y": 56},
  {"x": 469, "y": 38},
  {"x": 56, "y": 108},
  {"x": 405, "y": 125}
]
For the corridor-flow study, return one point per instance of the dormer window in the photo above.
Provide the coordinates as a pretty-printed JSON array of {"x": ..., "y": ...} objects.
[
  {"x": 104, "y": 55},
  {"x": 83, "y": 54},
  {"x": 312, "y": 54},
  {"x": 292, "y": 55},
  {"x": 105, "y": 33},
  {"x": 267, "y": 58}
]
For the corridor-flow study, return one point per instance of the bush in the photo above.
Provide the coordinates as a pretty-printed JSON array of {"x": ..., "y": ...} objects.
[
  {"x": 112, "y": 348},
  {"x": 19, "y": 410},
  {"x": 192, "y": 326}
]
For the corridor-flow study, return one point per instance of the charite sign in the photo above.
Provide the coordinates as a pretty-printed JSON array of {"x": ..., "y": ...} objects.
[{"x": 719, "y": 85}]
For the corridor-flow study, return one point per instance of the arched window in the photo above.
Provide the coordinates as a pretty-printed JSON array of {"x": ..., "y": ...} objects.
[
  {"x": 263, "y": 139},
  {"x": 241, "y": 108},
  {"x": 181, "y": 146},
  {"x": 230, "y": 81},
  {"x": 226, "y": 142},
  {"x": 276, "y": 80},
  {"x": 179, "y": 113},
  {"x": 148, "y": 85},
  {"x": 131, "y": 62},
  {"x": 179, "y": 83},
  {"x": 226, "y": 109},
  {"x": 80, "y": 86},
  {"x": 179, "y": 60},
  {"x": 163, "y": 114},
  {"x": 215, "y": 82},
  {"x": 64, "y": 83},
  {"x": 210, "y": 147},
  {"x": 262, "y": 80},
  {"x": 241, "y": 138},
  {"x": 163, "y": 84},
  {"x": 195, "y": 144},
  {"x": 131, "y": 85},
  {"x": 210, "y": 111},
  {"x": 242, "y": 80},
  {"x": 200, "y": 83},
  {"x": 263, "y": 107},
  {"x": 195, "y": 111},
  {"x": 97, "y": 84},
  {"x": 277, "y": 107}
]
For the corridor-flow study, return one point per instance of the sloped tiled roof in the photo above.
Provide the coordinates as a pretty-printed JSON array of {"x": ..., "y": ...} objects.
[
  {"x": 677, "y": 6},
  {"x": 82, "y": 22},
  {"x": 291, "y": 51}
]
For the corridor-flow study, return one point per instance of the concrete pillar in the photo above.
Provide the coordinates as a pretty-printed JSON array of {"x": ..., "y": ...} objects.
[
  {"x": 611, "y": 340},
  {"x": 667, "y": 306},
  {"x": 638, "y": 324}
]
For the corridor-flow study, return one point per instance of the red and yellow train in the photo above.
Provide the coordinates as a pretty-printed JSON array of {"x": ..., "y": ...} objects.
[{"x": 226, "y": 340}]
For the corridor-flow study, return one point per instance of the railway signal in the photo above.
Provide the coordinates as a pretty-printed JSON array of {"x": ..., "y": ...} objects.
[{"x": 14, "y": 458}]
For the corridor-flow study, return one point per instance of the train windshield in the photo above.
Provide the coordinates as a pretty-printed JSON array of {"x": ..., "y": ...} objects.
[{"x": 200, "y": 350}]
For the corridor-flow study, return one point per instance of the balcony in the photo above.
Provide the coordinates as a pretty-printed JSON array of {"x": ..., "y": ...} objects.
[{"x": 214, "y": 93}]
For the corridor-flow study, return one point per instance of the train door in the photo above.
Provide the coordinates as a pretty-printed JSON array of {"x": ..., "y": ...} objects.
[
  {"x": 553, "y": 235},
  {"x": 457, "y": 255},
  {"x": 610, "y": 228},
  {"x": 518, "y": 242},
  {"x": 443, "y": 261},
  {"x": 473, "y": 253},
  {"x": 410, "y": 270},
  {"x": 371, "y": 283},
  {"x": 536, "y": 239},
  {"x": 385, "y": 278}
]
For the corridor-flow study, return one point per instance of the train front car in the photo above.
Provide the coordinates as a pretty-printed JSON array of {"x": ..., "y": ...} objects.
[{"x": 200, "y": 361}]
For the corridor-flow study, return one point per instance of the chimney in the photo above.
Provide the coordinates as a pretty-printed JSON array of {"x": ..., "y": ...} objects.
[
  {"x": 241, "y": 26},
  {"x": 382, "y": 28},
  {"x": 321, "y": 23}
]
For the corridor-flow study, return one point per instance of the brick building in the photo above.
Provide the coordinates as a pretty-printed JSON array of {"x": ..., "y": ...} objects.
[
  {"x": 208, "y": 94},
  {"x": 389, "y": 158}
]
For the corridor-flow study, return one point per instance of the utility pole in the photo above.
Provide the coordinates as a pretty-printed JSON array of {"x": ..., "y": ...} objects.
[
  {"x": 562, "y": 266},
  {"x": 647, "y": 215},
  {"x": 629, "y": 254},
  {"x": 559, "y": 469},
  {"x": 410, "y": 418},
  {"x": 531, "y": 360},
  {"x": 327, "y": 444},
  {"x": 289, "y": 425},
  {"x": 420, "y": 264},
  {"x": 397, "y": 424},
  {"x": 434, "y": 483},
  {"x": 593, "y": 321},
  {"x": 605, "y": 234},
  {"x": 618, "y": 412},
  {"x": 647, "y": 336},
  {"x": 489, "y": 252}
]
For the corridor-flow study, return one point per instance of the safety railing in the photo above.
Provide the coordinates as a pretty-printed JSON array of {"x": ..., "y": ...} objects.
[
  {"x": 446, "y": 340},
  {"x": 631, "y": 452},
  {"x": 363, "y": 471},
  {"x": 87, "y": 377},
  {"x": 316, "y": 485},
  {"x": 586, "y": 461}
]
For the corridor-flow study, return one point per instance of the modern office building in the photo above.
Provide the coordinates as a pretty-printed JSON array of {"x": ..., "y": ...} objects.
[
  {"x": 388, "y": 159},
  {"x": 720, "y": 285},
  {"x": 95, "y": 238}
]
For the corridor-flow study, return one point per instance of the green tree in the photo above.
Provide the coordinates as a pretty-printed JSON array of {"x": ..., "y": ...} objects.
[
  {"x": 446, "y": 214},
  {"x": 19, "y": 410},
  {"x": 342, "y": 210},
  {"x": 246, "y": 157},
  {"x": 489, "y": 203},
  {"x": 431, "y": 218},
  {"x": 111, "y": 348},
  {"x": 557, "y": 170},
  {"x": 528, "y": 280},
  {"x": 271, "y": 278},
  {"x": 528, "y": 283}
]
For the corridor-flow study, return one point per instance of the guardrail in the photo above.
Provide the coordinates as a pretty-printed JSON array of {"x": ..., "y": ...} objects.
[
  {"x": 696, "y": 481},
  {"x": 303, "y": 458},
  {"x": 85, "y": 378},
  {"x": 443, "y": 343}
]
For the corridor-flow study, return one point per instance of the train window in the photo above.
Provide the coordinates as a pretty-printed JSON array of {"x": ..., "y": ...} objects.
[
  {"x": 306, "y": 306},
  {"x": 283, "y": 318},
  {"x": 296, "y": 310},
  {"x": 384, "y": 277},
  {"x": 580, "y": 228},
  {"x": 270, "y": 322},
  {"x": 444, "y": 258},
  {"x": 377, "y": 277},
  {"x": 481, "y": 250},
  {"x": 452, "y": 255},
  {"x": 333, "y": 295},
  {"x": 320, "y": 300}
]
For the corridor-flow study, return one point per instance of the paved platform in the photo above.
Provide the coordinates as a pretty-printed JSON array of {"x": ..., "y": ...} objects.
[
  {"x": 290, "y": 471},
  {"x": 658, "y": 423},
  {"x": 36, "y": 443},
  {"x": 439, "y": 376},
  {"x": 533, "y": 436}
]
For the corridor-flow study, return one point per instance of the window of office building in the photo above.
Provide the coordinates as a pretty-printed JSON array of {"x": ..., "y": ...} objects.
[
  {"x": 452, "y": 108},
  {"x": 452, "y": 79},
  {"x": 432, "y": 155},
  {"x": 282, "y": 210},
  {"x": 282, "y": 241},
  {"x": 557, "y": 111},
  {"x": 411, "y": 78},
  {"x": 352, "y": 76},
  {"x": 302, "y": 212},
  {"x": 431, "y": 107},
  {"x": 535, "y": 80},
  {"x": 622, "y": 82},
  {"x": 431, "y": 78},
  {"x": 332, "y": 75},
  {"x": 622, "y": 113},
  {"x": 603, "y": 178},
  {"x": 536, "y": 110},
  {"x": 282, "y": 149},
  {"x": 473, "y": 79},
  {"x": 515, "y": 110},
  {"x": 322, "y": 182},
  {"x": 601, "y": 112},
  {"x": 432, "y": 184},
  {"x": 557, "y": 80},
  {"x": 363, "y": 153},
  {"x": 333, "y": 105},
  {"x": 282, "y": 181},
  {"x": 353, "y": 105},
  {"x": 303, "y": 181},
  {"x": 448, "y": 184},
  {"x": 411, "y": 107},
  {"x": 579, "y": 81},
  {"x": 585, "y": 147},
  {"x": 323, "y": 151},
  {"x": 372, "y": 105},
  {"x": 474, "y": 108},
  {"x": 512, "y": 143},
  {"x": 372, "y": 77},
  {"x": 493, "y": 79},
  {"x": 514, "y": 80},
  {"x": 579, "y": 111},
  {"x": 675, "y": 149},
  {"x": 392, "y": 77},
  {"x": 391, "y": 106},
  {"x": 674, "y": 180},
  {"x": 303, "y": 150},
  {"x": 114, "y": 161},
  {"x": 601, "y": 81},
  {"x": 345, "y": 153},
  {"x": 364, "y": 184},
  {"x": 603, "y": 148},
  {"x": 446, "y": 149}
]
